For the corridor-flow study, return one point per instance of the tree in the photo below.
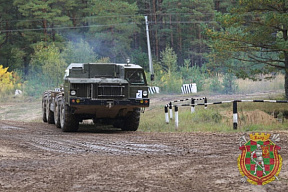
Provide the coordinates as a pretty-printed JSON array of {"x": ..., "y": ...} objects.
[
  {"x": 169, "y": 60},
  {"x": 79, "y": 52},
  {"x": 185, "y": 20},
  {"x": 36, "y": 21},
  {"x": 44, "y": 15},
  {"x": 111, "y": 28},
  {"x": 255, "y": 33},
  {"x": 10, "y": 54},
  {"x": 177, "y": 24},
  {"x": 8, "y": 81},
  {"x": 170, "y": 80},
  {"x": 48, "y": 63}
]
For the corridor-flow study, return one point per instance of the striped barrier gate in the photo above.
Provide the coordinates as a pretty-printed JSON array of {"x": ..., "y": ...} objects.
[
  {"x": 170, "y": 106},
  {"x": 153, "y": 90},
  {"x": 189, "y": 88},
  {"x": 193, "y": 104}
]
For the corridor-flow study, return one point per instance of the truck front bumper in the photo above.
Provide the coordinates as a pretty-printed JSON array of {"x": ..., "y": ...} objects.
[{"x": 129, "y": 102}]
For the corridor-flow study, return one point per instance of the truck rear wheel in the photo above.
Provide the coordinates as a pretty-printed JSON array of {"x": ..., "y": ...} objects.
[
  {"x": 131, "y": 121},
  {"x": 67, "y": 120},
  {"x": 57, "y": 111},
  {"x": 49, "y": 113},
  {"x": 44, "y": 108}
]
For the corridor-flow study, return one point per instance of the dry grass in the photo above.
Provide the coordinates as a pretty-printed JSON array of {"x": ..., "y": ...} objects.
[
  {"x": 213, "y": 119},
  {"x": 250, "y": 86},
  {"x": 251, "y": 116}
]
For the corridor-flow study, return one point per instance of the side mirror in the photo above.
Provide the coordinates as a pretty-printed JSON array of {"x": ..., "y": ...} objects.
[{"x": 152, "y": 77}]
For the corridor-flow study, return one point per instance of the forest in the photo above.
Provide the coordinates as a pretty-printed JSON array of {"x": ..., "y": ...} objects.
[{"x": 191, "y": 41}]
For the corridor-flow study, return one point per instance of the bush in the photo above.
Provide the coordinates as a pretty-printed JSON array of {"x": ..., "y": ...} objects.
[
  {"x": 229, "y": 83},
  {"x": 194, "y": 74},
  {"x": 171, "y": 83},
  {"x": 206, "y": 116},
  {"x": 35, "y": 85},
  {"x": 9, "y": 81},
  {"x": 215, "y": 85}
]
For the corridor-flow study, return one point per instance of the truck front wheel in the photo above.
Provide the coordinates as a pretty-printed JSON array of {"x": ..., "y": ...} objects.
[
  {"x": 49, "y": 113},
  {"x": 57, "y": 111},
  {"x": 131, "y": 121},
  {"x": 68, "y": 121},
  {"x": 44, "y": 109}
]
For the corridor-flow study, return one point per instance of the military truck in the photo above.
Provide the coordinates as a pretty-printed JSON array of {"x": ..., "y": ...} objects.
[{"x": 107, "y": 93}]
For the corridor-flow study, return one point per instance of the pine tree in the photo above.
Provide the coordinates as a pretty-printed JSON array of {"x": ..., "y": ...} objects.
[
  {"x": 255, "y": 33},
  {"x": 111, "y": 28},
  {"x": 10, "y": 53},
  {"x": 184, "y": 29}
]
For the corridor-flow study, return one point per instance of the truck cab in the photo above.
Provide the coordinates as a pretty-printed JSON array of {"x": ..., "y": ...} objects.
[{"x": 108, "y": 93}]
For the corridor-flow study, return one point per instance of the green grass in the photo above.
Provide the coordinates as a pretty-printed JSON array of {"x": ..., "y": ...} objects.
[{"x": 217, "y": 118}]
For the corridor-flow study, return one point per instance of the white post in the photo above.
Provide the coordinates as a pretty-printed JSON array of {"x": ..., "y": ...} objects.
[
  {"x": 192, "y": 105},
  {"x": 171, "y": 110},
  {"x": 166, "y": 114},
  {"x": 176, "y": 118}
]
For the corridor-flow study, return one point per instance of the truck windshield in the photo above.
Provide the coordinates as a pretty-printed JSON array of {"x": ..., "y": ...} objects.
[{"x": 135, "y": 77}]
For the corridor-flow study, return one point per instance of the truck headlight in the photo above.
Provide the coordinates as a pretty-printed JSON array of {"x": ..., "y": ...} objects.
[
  {"x": 73, "y": 92},
  {"x": 145, "y": 93}
]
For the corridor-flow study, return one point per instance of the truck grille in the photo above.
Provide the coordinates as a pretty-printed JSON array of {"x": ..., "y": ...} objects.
[
  {"x": 96, "y": 91},
  {"x": 111, "y": 91}
]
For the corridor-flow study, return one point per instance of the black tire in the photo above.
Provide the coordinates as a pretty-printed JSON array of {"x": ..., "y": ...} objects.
[
  {"x": 49, "y": 113},
  {"x": 118, "y": 123},
  {"x": 131, "y": 121},
  {"x": 68, "y": 121},
  {"x": 57, "y": 111},
  {"x": 44, "y": 108}
]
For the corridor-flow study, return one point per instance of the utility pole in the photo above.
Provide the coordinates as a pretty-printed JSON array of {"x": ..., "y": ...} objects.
[{"x": 149, "y": 50}]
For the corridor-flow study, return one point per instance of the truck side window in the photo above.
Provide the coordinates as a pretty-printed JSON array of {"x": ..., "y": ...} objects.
[{"x": 135, "y": 77}]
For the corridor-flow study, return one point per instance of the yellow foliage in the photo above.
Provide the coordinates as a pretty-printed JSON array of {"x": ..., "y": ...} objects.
[{"x": 8, "y": 81}]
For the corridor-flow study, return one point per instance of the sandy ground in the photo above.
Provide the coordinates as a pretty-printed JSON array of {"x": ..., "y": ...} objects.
[{"x": 36, "y": 156}]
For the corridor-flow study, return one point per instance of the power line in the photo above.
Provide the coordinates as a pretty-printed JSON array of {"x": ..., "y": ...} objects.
[
  {"x": 106, "y": 16},
  {"x": 106, "y": 25},
  {"x": 59, "y": 28}
]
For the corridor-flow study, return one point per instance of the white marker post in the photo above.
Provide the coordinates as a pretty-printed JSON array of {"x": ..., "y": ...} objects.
[
  {"x": 166, "y": 114},
  {"x": 205, "y": 102},
  {"x": 192, "y": 105},
  {"x": 171, "y": 110},
  {"x": 176, "y": 117}
]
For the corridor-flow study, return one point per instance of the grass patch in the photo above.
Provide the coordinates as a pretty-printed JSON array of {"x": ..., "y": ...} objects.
[
  {"x": 217, "y": 118},
  {"x": 249, "y": 86},
  {"x": 19, "y": 109},
  {"x": 202, "y": 120}
]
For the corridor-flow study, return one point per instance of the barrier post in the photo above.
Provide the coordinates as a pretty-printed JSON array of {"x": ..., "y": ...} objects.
[
  {"x": 235, "y": 115},
  {"x": 170, "y": 110},
  {"x": 166, "y": 114},
  {"x": 205, "y": 102},
  {"x": 192, "y": 105},
  {"x": 176, "y": 117}
]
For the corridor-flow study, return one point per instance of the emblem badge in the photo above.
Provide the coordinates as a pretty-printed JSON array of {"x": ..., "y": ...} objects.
[{"x": 259, "y": 162}]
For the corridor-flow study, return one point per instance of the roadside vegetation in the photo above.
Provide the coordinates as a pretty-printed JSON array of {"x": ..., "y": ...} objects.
[
  {"x": 225, "y": 47},
  {"x": 218, "y": 118},
  {"x": 211, "y": 43}
]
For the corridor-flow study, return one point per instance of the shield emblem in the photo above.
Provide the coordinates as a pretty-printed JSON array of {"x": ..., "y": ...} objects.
[{"x": 259, "y": 160}]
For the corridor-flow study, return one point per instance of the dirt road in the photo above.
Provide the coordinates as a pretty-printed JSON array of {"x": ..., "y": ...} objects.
[{"x": 36, "y": 156}]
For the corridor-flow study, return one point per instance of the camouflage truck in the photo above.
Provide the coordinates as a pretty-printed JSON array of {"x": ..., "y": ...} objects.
[{"x": 108, "y": 93}]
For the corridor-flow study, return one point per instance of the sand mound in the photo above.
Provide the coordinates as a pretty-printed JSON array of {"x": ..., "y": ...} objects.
[{"x": 251, "y": 117}]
